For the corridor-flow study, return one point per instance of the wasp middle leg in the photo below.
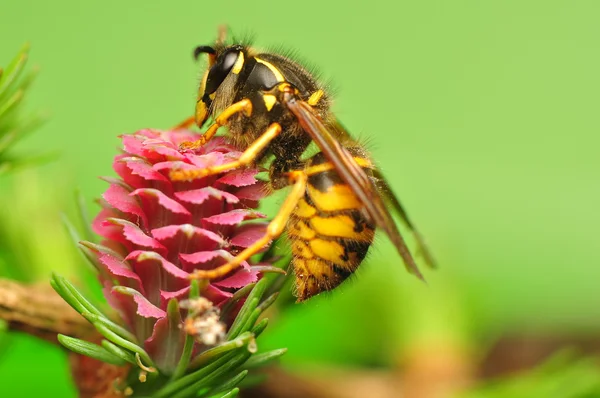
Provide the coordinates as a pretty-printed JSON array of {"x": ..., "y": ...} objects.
[
  {"x": 247, "y": 157},
  {"x": 274, "y": 230}
]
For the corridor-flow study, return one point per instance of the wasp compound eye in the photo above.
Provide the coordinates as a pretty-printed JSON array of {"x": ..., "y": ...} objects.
[
  {"x": 220, "y": 70},
  {"x": 203, "y": 50},
  {"x": 229, "y": 59}
]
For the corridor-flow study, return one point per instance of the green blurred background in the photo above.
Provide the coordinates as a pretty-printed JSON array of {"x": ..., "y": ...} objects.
[{"x": 484, "y": 115}]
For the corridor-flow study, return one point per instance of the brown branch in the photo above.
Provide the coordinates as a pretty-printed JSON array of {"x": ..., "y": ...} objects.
[
  {"x": 38, "y": 310},
  {"x": 326, "y": 383},
  {"x": 426, "y": 373}
]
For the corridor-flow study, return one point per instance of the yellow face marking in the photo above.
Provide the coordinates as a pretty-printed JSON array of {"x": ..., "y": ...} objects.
[
  {"x": 202, "y": 85},
  {"x": 201, "y": 112},
  {"x": 239, "y": 63},
  {"x": 315, "y": 98},
  {"x": 328, "y": 250},
  {"x": 270, "y": 100},
  {"x": 312, "y": 170},
  {"x": 272, "y": 68},
  {"x": 212, "y": 96},
  {"x": 304, "y": 210},
  {"x": 301, "y": 230},
  {"x": 337, "y": 197},
  {"x": 341, "y": 226}
]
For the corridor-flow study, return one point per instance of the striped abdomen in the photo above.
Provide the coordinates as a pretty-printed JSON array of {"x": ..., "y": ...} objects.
[{"x": 328, "y": 232}]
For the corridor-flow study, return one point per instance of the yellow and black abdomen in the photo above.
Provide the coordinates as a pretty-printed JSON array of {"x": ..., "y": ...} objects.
[{"x": 329, "y": 234}]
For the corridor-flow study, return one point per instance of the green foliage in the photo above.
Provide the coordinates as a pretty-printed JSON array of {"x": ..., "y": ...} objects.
[
  {"x": 91, "y": 350},
  {"x": 32, "y": 240},
  {"x": 215, "y": 372},
  {"x": 563, "y": 376},
  {"x": 13, "y": 125}
]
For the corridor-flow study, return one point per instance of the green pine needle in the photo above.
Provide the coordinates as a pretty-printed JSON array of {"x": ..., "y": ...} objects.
[
  {"x": 188, "y": 345},
  {"x": 226, "y": 386},
  {"x": 74, "y": 235},
  {"x": 124, "y": 343},
  {"x": 90, "y": 350},
  {"x": 84, "y": 216},
  {"x": 237, "y": 296},
  {"x": 72, "y": 296},
  {"x": 216, "y": 352},
  {"x": 261, "y": 359},
  {"x": 250, "y": 305},
  {"x": 119, "y": 352},
  {"x": 231, "y": 394},
  {"x": 110, "y": 325},
  {"x": 260, "y": 327},
  {"x": 195, "y": 377},
  {"x": 215, "y": 372},
  {"x": 13, "y": 125}
]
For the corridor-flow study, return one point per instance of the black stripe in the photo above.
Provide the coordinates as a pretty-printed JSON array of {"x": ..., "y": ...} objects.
[
  {"x": 341, "y": 272},
  {"x": 324, "y": 180}
]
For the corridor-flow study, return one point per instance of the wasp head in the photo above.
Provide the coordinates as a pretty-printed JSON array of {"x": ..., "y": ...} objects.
[{"x": 222, "y": 62}]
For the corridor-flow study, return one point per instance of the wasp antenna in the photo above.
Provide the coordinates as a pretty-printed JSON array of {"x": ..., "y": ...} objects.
[
  {"x": 222, "y": 34},
  {"x": 203, "y": 50}
]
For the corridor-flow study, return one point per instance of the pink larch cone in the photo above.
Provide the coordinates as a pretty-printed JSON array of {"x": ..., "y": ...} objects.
[{"x": 157, "y": 231}]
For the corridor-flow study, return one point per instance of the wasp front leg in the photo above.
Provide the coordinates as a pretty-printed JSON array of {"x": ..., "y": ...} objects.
[
  {"x": 244, "y": 106},
  {"x": 274, "y": 230},
  {"x": 247, "y": 158}
]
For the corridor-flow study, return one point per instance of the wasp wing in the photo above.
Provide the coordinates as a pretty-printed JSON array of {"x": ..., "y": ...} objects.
[
  {"x": 392, "y": 200},
  {"x": 354, "y": 176}
]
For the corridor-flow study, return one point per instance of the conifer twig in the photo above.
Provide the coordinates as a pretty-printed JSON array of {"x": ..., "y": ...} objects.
[{"x": 37, "y": 310}]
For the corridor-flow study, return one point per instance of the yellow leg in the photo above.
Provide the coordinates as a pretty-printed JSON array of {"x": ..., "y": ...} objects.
[
  {"x": 245, "y": 159},
  {"x": 274, "y": 230},
  {"x": 186, "y": 124},
  {"x": 244, "y": 105}
]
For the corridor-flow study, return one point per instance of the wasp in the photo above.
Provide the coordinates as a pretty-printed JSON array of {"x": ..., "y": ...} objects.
[{"x": 274, "y": 108}]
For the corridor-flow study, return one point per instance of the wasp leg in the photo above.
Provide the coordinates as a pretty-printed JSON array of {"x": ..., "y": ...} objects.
[
  {"x": 274, "y": 230},
  {"x": 244, "y": 105},
  {"x": 186, "y": 124},
  {"x": 245, "y": 159}
]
